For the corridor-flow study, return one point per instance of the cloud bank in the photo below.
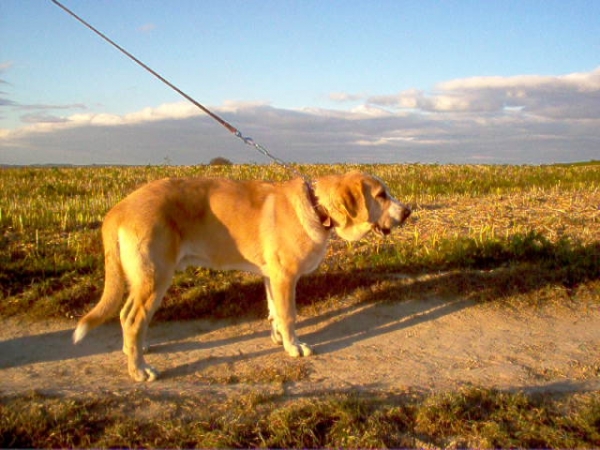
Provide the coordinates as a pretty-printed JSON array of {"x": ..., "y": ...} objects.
[
  {"x": 573, "y": 96},
  {"x": 529, "y": 119}
]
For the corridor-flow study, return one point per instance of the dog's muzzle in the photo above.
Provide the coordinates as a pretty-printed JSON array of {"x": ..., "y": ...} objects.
[
  {"x": 405, "y": 214},
  {"x": 383, "y": 229}
]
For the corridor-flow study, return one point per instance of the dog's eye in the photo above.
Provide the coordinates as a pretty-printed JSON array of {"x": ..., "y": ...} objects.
[{"x": 382, "y": 195}]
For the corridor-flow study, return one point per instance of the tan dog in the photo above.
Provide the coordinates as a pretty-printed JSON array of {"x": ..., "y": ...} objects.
[{"x": 276, "y": 230}]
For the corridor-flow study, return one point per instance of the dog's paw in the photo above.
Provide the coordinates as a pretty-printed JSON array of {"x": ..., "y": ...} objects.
[
  {"x": 299, "y": 349},
  {"x": 144, "y": 373},
  {"x": 306, "y": 349}
]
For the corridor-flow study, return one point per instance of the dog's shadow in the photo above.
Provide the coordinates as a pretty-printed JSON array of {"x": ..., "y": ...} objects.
[
  {"x": 163, "y": 338},
  {"x": 383, "y": 310},
  {"x": 328, "y": 332},
  {"x": 56, "y": 346},
  {"x": 375, "y": 320}
]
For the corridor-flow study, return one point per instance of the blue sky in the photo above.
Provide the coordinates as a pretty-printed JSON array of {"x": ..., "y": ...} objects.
[{"x": 314, "y": 81}]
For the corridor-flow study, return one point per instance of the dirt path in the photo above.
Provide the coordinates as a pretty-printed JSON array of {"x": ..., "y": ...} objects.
[{"x": 424, "y": 345}]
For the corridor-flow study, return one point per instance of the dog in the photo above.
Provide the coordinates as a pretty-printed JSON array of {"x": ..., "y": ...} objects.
[{"x": 276, "y": 230}]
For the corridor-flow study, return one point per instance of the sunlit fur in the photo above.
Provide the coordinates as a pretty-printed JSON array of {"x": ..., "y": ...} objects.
[{"x": 270, "y": 229}]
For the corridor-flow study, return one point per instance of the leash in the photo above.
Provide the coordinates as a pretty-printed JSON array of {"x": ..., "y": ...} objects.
[
  {"x": 320, "y": 210},
  {"x": 246, "y": 140}
]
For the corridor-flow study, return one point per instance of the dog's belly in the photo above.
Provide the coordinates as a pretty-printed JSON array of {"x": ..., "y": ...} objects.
[
  {"x": 215, "y": 259},
  {"x": 204, "y": 262}
]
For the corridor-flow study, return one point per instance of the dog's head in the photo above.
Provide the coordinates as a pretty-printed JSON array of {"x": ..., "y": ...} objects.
[{"x": 358, "y": 203}]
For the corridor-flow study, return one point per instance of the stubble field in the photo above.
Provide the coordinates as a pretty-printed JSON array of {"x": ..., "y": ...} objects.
[{"x": 474, "y": 325}]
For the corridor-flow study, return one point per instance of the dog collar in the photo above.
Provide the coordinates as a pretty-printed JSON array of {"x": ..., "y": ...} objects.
[{"x": 320, "y": 210}]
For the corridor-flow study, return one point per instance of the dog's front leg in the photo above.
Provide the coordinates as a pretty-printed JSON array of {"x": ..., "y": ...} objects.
[
  {"x": 275, "y": 334},
  {"x": 281, "y": 294}
]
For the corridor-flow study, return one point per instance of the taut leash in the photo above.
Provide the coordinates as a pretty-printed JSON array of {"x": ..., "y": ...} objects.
[{"x": 223, "y": 122}]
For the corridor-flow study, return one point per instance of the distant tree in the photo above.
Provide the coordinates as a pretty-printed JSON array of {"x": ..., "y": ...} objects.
[{"x": 220, "y": 161}]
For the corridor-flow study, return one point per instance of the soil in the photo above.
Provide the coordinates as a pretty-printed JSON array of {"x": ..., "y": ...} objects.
[{"x": 424, "y": 345}]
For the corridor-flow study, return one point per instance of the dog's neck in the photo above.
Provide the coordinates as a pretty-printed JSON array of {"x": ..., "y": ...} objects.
[{"x": 320, "y": 210}]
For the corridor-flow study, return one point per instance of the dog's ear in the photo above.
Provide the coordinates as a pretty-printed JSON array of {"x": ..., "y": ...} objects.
[{"x": 352, "y": 200}]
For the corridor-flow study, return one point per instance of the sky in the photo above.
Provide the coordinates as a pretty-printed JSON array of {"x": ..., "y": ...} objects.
[{"x": 313, "y": 81}]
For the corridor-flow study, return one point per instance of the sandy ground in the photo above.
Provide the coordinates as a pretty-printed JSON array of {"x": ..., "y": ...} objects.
[{"x": 423, "y": 345}]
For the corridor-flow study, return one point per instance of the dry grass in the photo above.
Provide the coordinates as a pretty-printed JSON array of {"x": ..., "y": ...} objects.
[
  {"x": 509, "y": 235},
  {"x": 471, "y": 417},
  {"x": 541, "y": 222},
  {"x": 277, "y": 371}
]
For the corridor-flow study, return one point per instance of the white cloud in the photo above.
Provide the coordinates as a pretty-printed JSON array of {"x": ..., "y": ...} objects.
[
  {"x": 383, "y": 141},
  {"x": 575, "y": 95},
  {"x": 343, "y": 97},
  {"x": 180, "y": 110},
  {"x": 46, "y": 123},
  {"x": 364, "y": 111},
  {"x": 524, "y": 119},
  {"x": 584, "y": 82}
]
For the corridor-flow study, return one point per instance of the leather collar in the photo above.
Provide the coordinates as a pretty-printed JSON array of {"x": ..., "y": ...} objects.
[{"x": 320, "y": 210}]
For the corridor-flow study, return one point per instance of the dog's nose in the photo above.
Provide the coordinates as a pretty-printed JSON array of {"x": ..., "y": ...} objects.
[{"x": 406, "y": 211}]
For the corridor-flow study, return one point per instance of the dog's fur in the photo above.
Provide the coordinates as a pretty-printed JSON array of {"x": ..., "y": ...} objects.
[{"x": 271, "y": 229}]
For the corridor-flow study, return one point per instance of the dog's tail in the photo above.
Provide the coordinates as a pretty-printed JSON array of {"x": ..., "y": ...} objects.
[{"x": 114, "y": 282}]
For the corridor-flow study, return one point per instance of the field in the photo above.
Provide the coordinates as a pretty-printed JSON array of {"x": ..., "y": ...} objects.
[{"x": 519, "y": 241}]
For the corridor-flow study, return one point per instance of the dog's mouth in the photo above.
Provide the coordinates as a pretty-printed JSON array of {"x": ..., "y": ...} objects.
[
  {"x": 406, "y": 212},
  {"x": 381, "y": 231},
  {"x": 385, "y": 230}
]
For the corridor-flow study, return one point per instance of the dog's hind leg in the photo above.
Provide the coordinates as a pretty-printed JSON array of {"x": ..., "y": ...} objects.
[
  {"x": 149, "y": 272},
  {"x": 124, "y": 314},
  {"x": 141, "y": 305}
]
